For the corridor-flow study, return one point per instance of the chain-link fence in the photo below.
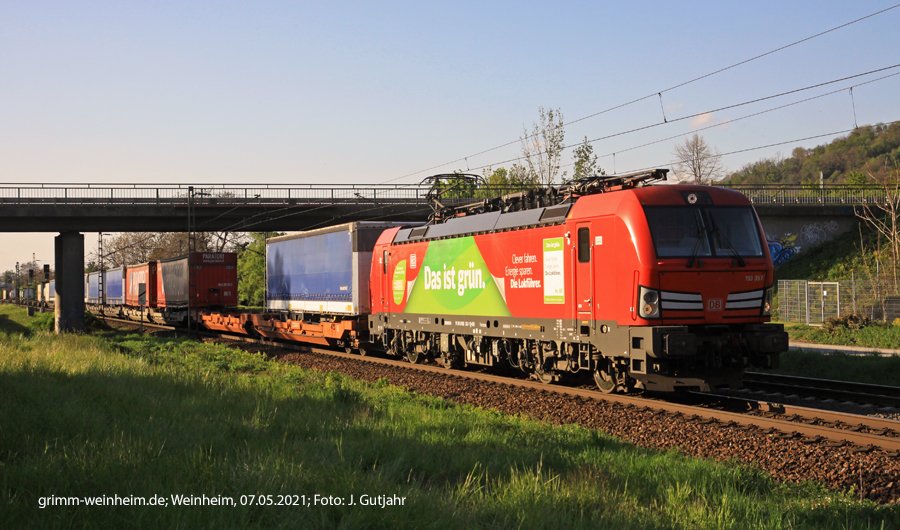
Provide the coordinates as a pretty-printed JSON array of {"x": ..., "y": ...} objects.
[{"x": 812, "y": 302}]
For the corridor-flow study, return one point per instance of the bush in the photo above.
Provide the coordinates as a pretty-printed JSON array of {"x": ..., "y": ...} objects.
[
  {"x": 42, "y": 322},
  {"x": 847, "y": 322}
]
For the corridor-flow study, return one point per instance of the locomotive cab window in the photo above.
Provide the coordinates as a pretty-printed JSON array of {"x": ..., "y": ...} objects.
[
  {"x": 584, "y": 245},
  {"x": 734, "y": 231},
  {"x": 703, "y": 232}
]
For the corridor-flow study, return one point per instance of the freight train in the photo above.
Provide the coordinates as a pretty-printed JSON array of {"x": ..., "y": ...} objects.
[
  {"x": 165, "y": 290},
  {"x": 641, "y": 286}
]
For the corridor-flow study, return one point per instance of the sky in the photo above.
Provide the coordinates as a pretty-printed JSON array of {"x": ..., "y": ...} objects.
[{"x": 313, "y": 92}]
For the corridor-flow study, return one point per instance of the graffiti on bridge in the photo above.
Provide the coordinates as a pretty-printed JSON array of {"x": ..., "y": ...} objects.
[{"x": 782, "y": 251}]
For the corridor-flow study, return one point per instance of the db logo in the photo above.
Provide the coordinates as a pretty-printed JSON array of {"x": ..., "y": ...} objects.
[{"x": 714, "y": 304}]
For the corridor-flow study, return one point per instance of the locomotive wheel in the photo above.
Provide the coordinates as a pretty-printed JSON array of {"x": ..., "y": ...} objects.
[
  {"x": 543, "y": 376},
  {"x": 605, "y": 382},
  {"x": 362, "y": 351},
  {"x": 412, "y": 355},
  {"x": 447, "y": 361}
]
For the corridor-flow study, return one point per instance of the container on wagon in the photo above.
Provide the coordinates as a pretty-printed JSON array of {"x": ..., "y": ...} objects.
[
  {"x": 114, "y": 286},
  {"x": 49, "y": 289},
  {"x": 140, "y": 285},
  {"x": 322, "y": 271},
  {"x": 92, "y": 288},
  {"x": 213, "y": 281}
]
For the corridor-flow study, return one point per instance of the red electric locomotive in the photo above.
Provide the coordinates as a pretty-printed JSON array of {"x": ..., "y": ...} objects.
[{"x": 662, "y": 287}]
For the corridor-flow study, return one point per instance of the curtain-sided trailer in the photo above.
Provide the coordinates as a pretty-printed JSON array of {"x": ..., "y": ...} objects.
[
  {"x": 106, "y": 296},
  {"x": 317, "y": 285},
  {"x": 47, "y": 293}
]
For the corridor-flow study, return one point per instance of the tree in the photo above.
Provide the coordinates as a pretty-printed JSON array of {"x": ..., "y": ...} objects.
[
  {"x": 252, "y": 271},
  {"x": 586, "y": 161},
  {"x": 129, "y": 248},
  {"x": 868, "y": 149},
  {"x": 697, "y": 162},
  {"x": 542, "y": 147},
  {"x": 884, "y": 216},
  {"x": 519, "y": 175},
  {"x": 502, "y": 181}
]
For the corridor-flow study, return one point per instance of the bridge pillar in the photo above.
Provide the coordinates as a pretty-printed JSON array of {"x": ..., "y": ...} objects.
[{"x": 69, "y": 282}]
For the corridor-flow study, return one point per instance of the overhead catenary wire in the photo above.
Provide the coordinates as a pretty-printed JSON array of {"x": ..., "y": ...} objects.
[
  {"x": 670, "y": 163},
  {"x": 244, "y": 224},
  {"x": 659, "y": 92},
  {"x": 744, "y": 117},
  {"x": 356, "y": 212},
  {"x": 697, "y": 114},
  {"x": 756, "y": 148}
]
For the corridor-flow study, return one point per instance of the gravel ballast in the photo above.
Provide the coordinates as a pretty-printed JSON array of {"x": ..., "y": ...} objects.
[{"x": 874, "y": 473}]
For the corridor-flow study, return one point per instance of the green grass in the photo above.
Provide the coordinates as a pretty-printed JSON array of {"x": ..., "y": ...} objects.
[
  {"x": 14, "y": 320},
  {"x": 874, "y": 369},
  {"x": 872, "y": 336},
  {"x": 131, "y": 415}
]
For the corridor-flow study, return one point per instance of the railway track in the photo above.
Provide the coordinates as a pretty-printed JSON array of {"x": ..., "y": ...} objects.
[
  {"x": 828, "y": 389},
  {"x": 814, "y": 425}
]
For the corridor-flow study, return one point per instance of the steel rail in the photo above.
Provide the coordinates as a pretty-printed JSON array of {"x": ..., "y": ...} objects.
[{"x": 825, "y": 388}]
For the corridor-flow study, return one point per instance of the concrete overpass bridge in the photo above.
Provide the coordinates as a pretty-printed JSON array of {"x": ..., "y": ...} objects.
[
  {"x": 74, "y": 208},
  {"x": 182, "y": 208}
]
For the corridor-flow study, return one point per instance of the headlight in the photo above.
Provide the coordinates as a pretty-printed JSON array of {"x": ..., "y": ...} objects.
[
  {"x": 767, "y": 301},
  {"x": 648, "y": 301}
]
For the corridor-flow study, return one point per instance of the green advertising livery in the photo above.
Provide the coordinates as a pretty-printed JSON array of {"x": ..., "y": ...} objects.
[{"x": 454, "y": 280}]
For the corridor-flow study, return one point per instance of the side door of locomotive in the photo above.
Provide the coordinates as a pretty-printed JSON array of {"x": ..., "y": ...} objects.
[
  {"x": 385, "y": 279},
  {"x": 584, "y": 278}
]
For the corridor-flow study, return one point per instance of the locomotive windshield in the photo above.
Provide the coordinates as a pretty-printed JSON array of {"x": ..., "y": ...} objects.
[{"x": 680, "y": 231}]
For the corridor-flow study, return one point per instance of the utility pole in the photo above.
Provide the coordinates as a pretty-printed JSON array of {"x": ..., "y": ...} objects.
[
  {"x": 192, "y": 246},
  {"x": 101, "y": 281},
  {"x": 190, "y": 251}
]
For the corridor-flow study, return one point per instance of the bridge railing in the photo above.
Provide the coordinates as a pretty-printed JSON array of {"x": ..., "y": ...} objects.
[
  {"x": 231, "y": 195},
  {"x": 204, "y": 194},
  {"x": 811, "y": 195}
]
